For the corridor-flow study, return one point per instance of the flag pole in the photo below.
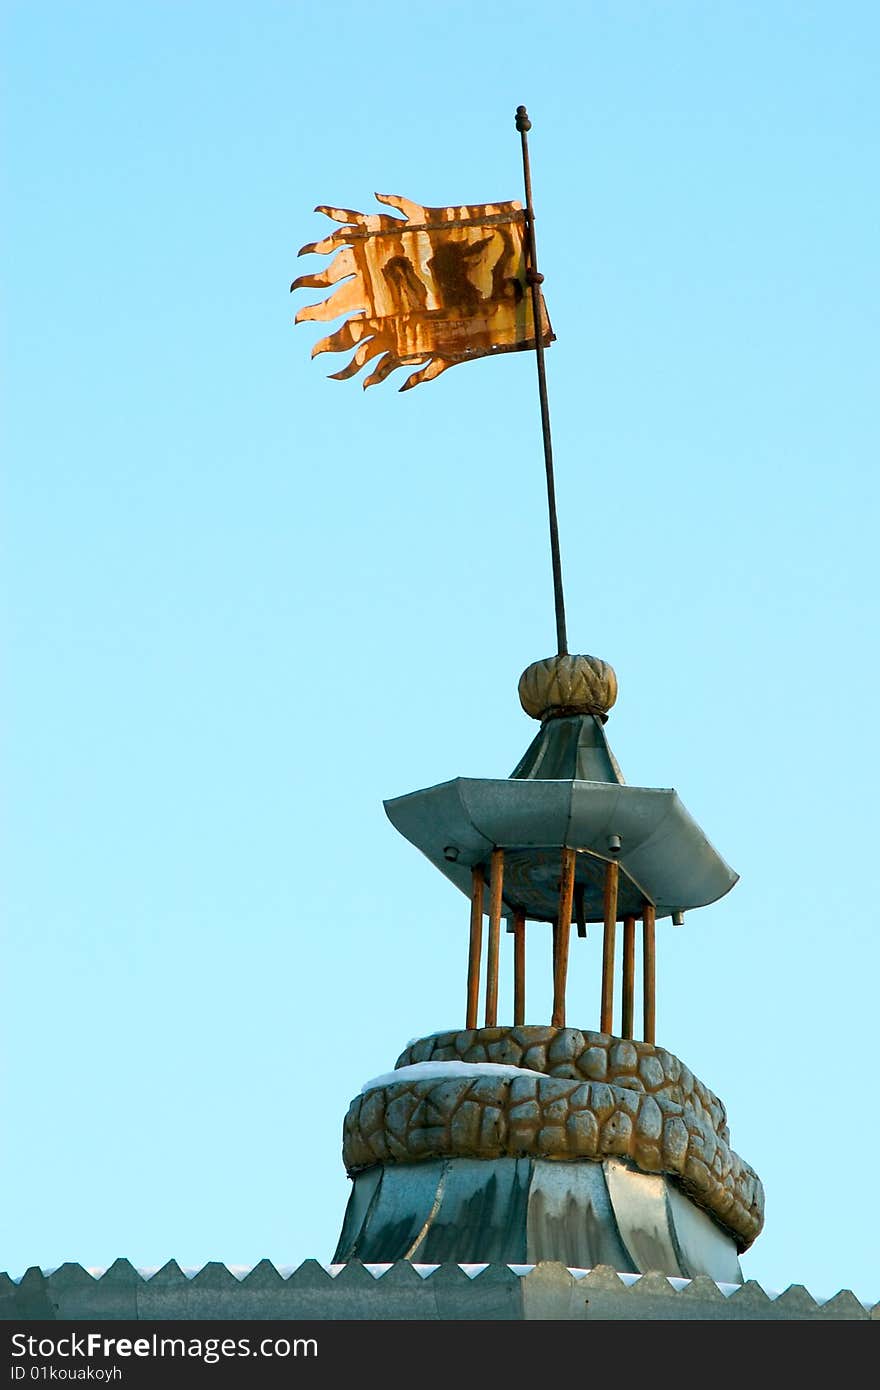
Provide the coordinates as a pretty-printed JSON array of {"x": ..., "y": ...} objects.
[{"x": 535, "y": 280}]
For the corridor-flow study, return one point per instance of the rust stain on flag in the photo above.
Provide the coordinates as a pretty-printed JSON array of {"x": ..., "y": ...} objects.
[{"x": 433, "y": 288}]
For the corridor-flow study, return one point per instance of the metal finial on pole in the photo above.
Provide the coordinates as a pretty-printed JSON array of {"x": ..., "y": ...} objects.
[{"x": 535, "y": 279}]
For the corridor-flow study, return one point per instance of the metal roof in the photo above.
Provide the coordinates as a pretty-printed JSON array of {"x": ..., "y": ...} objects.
[
  {"x": 573, "y": 746},
  {"x": 664, "y": 858},
  {"x": 406, "y": 1291}
]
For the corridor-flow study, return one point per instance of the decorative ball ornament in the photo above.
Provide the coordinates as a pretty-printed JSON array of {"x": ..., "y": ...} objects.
[{"x": 561, "y": 685}]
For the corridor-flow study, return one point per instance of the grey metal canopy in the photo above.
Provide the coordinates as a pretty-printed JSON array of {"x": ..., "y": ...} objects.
[{"x": 664, "y": 857}]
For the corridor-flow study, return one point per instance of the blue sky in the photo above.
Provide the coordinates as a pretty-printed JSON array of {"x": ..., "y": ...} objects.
[{"x": 243, "y": 604}]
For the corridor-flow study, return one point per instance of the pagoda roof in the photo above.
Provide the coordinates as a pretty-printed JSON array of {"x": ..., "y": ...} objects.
[
  {"x": 570, "y": 747},
  {"x": 664, "y": 856}
]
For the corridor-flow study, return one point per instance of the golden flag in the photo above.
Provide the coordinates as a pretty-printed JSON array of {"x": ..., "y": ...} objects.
[{"x": 433, "y": 288}]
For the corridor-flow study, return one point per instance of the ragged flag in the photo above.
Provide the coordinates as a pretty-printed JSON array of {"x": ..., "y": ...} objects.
[{"x": 432, "y": 288}]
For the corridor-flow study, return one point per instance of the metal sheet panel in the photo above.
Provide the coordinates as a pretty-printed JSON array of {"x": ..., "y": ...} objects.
[
  {"x": 574, "y": 747},
  {"x": 523, "y": 1211},
  {"x": 662, "y": 846},
  {"x": 518, "y": 812},
  {"x": 435, "y": 818},
  {"x": 663, "y": 850},
  {"x": 395, "y": 1221},
  {"x": 364, "y": 1188},
  {"x": 481, "y": 1214},
  {"x": 570, "y": 1217},
  {"x": 639, "y": 1204},
  {"x": 662, "y": 1229},
  {"x": 457, "y": 1210},
  {"x": 703, "y": 1247}
]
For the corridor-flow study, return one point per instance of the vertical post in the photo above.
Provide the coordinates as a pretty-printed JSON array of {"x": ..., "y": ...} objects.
[
  {"x": 496, "y": 883},
  {"x": 534, "y": 279},
  {"x": 562, "y": 937},
  {"x": 606, "y": 1018},
  {"x": 649, "y": 917},
  {"x": 579, "y": 915},
  {"x": 475, "y": 945},
  {"x": 629, "y": 976},
  {"x": 519, "y": 967}
]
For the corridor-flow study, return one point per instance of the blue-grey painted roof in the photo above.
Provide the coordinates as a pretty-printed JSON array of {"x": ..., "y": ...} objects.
[
  {"x": 404, "y": 1290},
  {"x": 573, "y": 747},
  {"x": 524, "y": 1210},
  {"x": 664, "y": 858}
]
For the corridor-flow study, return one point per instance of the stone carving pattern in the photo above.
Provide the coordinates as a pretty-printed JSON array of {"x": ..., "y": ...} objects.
[{"x": 599, "y": 1097}]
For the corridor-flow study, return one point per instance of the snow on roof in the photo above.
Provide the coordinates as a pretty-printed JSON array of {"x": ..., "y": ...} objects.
[{"x": 442, "y": 1071}]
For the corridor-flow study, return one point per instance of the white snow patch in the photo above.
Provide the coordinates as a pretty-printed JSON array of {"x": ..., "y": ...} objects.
[{"x": 442, "y": 1071}]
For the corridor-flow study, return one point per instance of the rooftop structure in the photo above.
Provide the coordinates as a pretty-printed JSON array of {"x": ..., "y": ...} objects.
[
  {"x": 564, "y": 839},
  {"x": 521, "y": 1142},
  {"x": 405, "y": 1290}
]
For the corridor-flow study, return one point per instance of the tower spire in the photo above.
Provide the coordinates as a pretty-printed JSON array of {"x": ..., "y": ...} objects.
[{"x": 535, "y": 279}]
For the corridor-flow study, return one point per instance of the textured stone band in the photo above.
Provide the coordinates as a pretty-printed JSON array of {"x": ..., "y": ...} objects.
[{"x": 605, "y": 1097}]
